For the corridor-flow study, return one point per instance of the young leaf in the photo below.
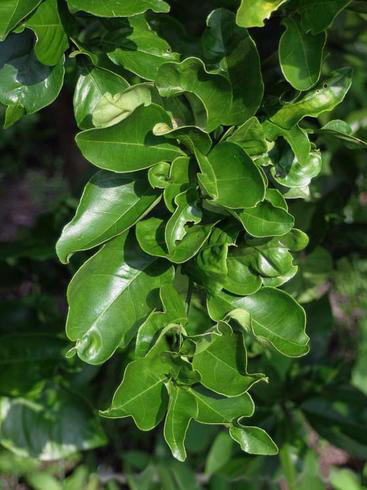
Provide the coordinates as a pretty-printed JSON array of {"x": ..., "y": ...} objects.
[
  {"x": 181, "y": 409},
  {"x": 233, "y": 51},
  {"x": 300, "y": 55},
  {"x": 110, "y": 204},
  {"x": 11, "y": 13},
  {"x": 117, "y": 280},
  {"x": 52, "y": 40},
  {"x": 129, "y": 145},
  {"x": 223, "y": 365},
  {"x": 111, "y": 8},
  {"x": 93, "y": 83},
  {"x": 254, "y": 440},
  {"x": 273, "y": 316},
  {"x": 190, "y": 76},
  {"x": 226, "y": 172},
  {"x": 24, "y": 81},
  {"x": 111, "y": 109},
  {"x": 252, "y": 13}
]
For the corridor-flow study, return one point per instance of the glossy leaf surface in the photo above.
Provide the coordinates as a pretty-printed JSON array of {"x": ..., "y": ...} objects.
[
  {"x": 129, "y": 145},
  {"x": 119, "y": 278},
  {"x": 110, "y": 204},
  {"x": 114, "y": 8}
]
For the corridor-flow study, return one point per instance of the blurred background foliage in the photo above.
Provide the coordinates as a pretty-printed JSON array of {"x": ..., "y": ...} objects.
[{"x": 315, "y": 407}]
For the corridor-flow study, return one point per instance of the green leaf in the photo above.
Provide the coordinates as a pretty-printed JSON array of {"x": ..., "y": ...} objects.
[
  {"x": 225, "y": 172},
  {"x": 113, "y": 8},
  {"x": 232, "y": 50},
  {"x": 273, "y": 316},
  {"x": 150, "y": 234},
  {"x": 181, "y": 409},
  {"x": 190, "y": 136},
  {"x": 342, "y": 131},
  {"x": 52, "y": 40},
  {"x": 289, "y": 172},
  {"x": 322, "y": 99},
  {"x": 12, "y": 114},
  {"x": 188, "y": 212},
  {"x": 223, "y": 365},
  {"x": 24, "y": 81},
  {"x": 111, "y": 295},
  {"x": 300, "y": 55},
  {"x": 210, "y": 266},
  {"x": 250, "y": 137},
  {"x": 27, "y": 361},
  {"x": 110, "y": 204},
  {"x": 142, "y": 394},
  {"x": 158, "y": 175},
  {"x": 190, "y": 76},
  {"x": 296, "y": 137},
  {"x": 53, "y": 426},
  {"x": 214, "y": 409},
  {"x": 220, "y": 453},
  {"x": 92, "y": 85},
  {"x": 137, "y": 47},
  {"x": 339, "y": 416},
  {"x": 252, "y": 13},
  {"x": 318, "y": 15},
  {"x": 265, "y": 219},
  {"x": 254, "y": 440},
  {"x": 129, "y": 145},
  {"x": 173, "y": 313},
  {"x": 182, "y": 175},
  {"x": 111, "y": 109},
  {"x": 12, "y": 12}
]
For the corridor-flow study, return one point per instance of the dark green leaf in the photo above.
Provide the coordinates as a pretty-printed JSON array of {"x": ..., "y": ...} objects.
[
  {"x": 250, "y": 137},
  {"x": 53, "y": 426},
  {"x": 137, "y": 47},
  {"x": 318, "y": 15},
  {"x": 190, "y": 76},
  {"x": 23, "y": 80},
  {"x": 233, "y": 51}
]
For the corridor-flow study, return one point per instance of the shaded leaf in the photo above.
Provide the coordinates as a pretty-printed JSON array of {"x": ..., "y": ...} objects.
[
  {"x": 113, "y": 8},
  {"x": 318, "y": 15},
  {"x": 190, "y": 76},
  {"x": 233, "y": 51},
  {"x": 11, "y": 13}
]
